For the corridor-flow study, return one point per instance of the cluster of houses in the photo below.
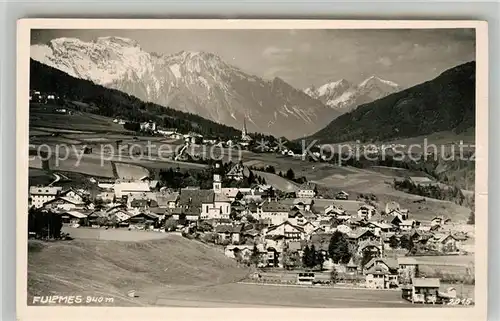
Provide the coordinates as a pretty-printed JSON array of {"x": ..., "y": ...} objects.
[
  {"x": 243, "y": 219},
  {"x": 37, "y": 96}
]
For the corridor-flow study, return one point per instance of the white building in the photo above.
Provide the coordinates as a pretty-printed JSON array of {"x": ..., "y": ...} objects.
[
  {"x": 42, "y": 194},
  {"x": 306, "y": 190},
  {"x": 126, "y": 187},
  {"x": 215, "y": 205}
]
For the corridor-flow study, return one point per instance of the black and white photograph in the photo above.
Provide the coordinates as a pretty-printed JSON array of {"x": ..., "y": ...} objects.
[{"x": 253, "y": 168}]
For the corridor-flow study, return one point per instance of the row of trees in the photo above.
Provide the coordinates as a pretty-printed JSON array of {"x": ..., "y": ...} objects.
[
  {"x": 453, "y": 194},
  {"x": 44, "y": 224}
]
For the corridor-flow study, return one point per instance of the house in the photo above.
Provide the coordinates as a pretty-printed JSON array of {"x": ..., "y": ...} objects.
[
  {"x": 379, "y": 228},
  {"x": 366, "y": 211},
  {"x": 379, "y": 278},
  {"x": 300, "y": 217},
  {"x": 351, "y": 267},
  {"x": 402, "y": 214},
  {"x": 408, "y": 267},
  {"x": 440, "y": 221},
  {"x": 250, "y": 236},
  {"x": 391, "y": 206},
  {"x": 41, "y": 194},
  {"x": 303, "y": 203},
  {"x": 229, "y": 232},
  {"x": 306, "y": 190},
  {"x": 389, "y": 265},
  {"x": 407, "y": 225},
  {"x": 286, "y": 229},
  {"x": 232, "y": 193},
  {"x": 333, "y": 210},
  {"x": 446, "y": 243},
  {"x": 77, "y": 218},
  {"x": 342, "y": 195},
  {"x": 167, "y": 200},
  {"x": 63, "y": 203},
  {"x": 363, "y": 235},
  {"x": 123, "y": 188},
  {"x": 243, "y": 250},
  {"x": 142, "y": 220},
  {"x": 275, "y": 212},
  {"x": 236, "y": 172},
  {"x": 422, "y": 290},
  {"x": 308, "y": 227},
  {"x": 374, "y": 248}
]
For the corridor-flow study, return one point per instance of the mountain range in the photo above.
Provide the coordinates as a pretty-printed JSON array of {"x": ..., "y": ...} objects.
[
  {"x": 86, "y": 96},
  {"x": 200, "y": 83},
  {"x": 345, "y": 96},
  {"x": 445, "y": 103}
]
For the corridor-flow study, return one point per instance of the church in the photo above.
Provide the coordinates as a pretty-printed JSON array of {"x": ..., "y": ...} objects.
[{"x": 245, "y": 137}]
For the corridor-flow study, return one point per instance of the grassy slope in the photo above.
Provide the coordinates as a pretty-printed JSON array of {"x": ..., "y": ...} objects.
[{"x": 111, "y": 268}]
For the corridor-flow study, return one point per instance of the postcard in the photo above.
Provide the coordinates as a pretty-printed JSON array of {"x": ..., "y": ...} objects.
[{"x": 261, "y": 168}]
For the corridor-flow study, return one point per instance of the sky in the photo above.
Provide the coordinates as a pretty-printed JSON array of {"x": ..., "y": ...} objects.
[{"x": 310, "y": 57}]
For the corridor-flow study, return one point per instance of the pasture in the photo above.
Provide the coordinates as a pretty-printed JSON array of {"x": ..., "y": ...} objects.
[{"x": 111, "y": 268}]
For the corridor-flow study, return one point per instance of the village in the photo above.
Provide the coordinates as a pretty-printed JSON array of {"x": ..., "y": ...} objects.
[{"x": 311, "y": 240}]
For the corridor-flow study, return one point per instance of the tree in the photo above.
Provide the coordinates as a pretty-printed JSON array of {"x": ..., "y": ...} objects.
[
  {"x": 311, "y": 260},
  {"x": 472, "y": 218},
  {"x": 255, "y": 256},
  {"x": 394, "y": 242},
  {"x": 406, "y": 242},
  {"x": 338, "y": 249},
  {"x": 305, "y": 256},
  {"x": 290, "y": 174},
  {"x": 320, "y": 259}
]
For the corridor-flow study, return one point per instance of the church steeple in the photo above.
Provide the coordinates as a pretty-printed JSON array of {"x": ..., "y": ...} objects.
[{"x": 244, "y": 132}]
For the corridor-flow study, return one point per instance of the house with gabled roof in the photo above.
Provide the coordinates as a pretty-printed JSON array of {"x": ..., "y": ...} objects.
[
  {"x": 366, "y": 211},
  {"x": 64, "y": 203},
  {"x": 274, "y": 211},
  {"x": 39, "y": 195},
  {"x": 288, "y": 230},
  {"x": 306, "y": 190},
  {"x": 303, "y": 203}
]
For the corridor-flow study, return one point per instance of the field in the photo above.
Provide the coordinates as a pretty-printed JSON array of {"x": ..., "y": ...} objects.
[
  {"x": 172, "y": 271},
  {"x": 130, "y": 171},
  {"x": 111, "y": 268},
  {"x": 46, "y": 116}
]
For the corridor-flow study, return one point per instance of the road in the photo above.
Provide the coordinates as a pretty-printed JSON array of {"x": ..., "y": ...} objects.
[{"x": 245, "y": 295}]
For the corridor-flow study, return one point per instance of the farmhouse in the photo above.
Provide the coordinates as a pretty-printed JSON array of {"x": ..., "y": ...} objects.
[
  {"x": 379, "y": 278},
  {"x": 167, "y": 200},
  {"x": 64, "y": 203},
  {"x": 423, "y": 290},
  {"x": 445, "y": 243},
  {"x": 74, "y": 217},
  {"x": 342, "y": 195},
  {"x": 366, "y": 211},
  {"x": 303, "y": 203},
  {"x": 306, "y": 190},
  {"x": 42, "y": 194},
  {"x": 142, "y": 219},
  {"x": 287, "y": 230},
  {"x": 275, "y": 212},
  {"x": 236, "y": 172}
]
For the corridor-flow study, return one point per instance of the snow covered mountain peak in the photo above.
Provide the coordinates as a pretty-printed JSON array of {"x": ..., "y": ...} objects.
[
  {"x": 374, "y": 80},
  {"x": 344, "y": 96},
  {"x": 197, "y": 82}
]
